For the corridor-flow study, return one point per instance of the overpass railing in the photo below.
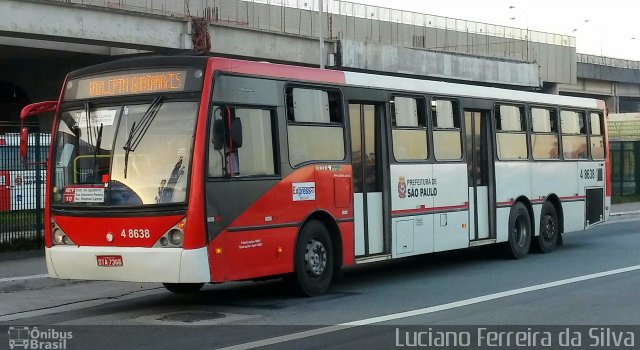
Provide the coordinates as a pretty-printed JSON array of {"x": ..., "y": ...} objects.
[
  {"x": 242, "y": 13},
  {"x": 607, "y": 61}
]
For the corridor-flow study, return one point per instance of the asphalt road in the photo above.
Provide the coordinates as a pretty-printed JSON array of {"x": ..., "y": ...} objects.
[{"x": 592, "y": 280}]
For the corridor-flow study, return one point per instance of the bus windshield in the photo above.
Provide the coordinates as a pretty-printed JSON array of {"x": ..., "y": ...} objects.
[{"x": 124, "y": 155}]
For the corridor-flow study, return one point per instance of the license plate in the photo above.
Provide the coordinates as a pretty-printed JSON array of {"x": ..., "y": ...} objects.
[{"x": 109, "y": 260}]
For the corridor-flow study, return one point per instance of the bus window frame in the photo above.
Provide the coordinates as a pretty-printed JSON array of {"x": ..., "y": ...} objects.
[
  {"x": 344, "y": 114},
  {"x": 527, "y": 125},
  {"x": 457, "y": 106},
  {"x": 275, "y": 133},
  {"x": 558, "y": 132},
  {"x": 428, "y": 128},
  {"x": 602, "y": 130},
  {"x": 562, "y": 134}
]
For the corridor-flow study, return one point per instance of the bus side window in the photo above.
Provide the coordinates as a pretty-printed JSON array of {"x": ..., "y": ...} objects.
[
  {"x": 447, "y": 142},
  {"x": 315, "y": 127},
  {"x": 511, "y": 135},
  {"x": 596, "y": 135},
  {"x": 242, "y": 142},
  {"x": 409, "y": 133},
  {"x": 544, "y": 136},
  {"x": 574, "y": 134}
]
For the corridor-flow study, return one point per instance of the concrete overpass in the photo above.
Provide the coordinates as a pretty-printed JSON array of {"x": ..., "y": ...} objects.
[{"x": 42, "y": 40}]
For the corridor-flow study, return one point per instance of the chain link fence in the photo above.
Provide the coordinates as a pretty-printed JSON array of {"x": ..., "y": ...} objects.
[{"x": 22, "y": 189}]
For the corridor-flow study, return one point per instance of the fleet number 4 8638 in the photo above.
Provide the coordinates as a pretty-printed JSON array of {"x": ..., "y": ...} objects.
[{"x": 135, "y": 233}]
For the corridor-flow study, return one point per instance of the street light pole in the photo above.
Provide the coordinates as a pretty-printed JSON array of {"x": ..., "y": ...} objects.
[
  {"x": 526, "y": 20},
  {"x": 321, "y": 33}
]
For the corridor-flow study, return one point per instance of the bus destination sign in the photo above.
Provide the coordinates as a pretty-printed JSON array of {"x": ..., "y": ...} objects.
[{"x": 137, "y": 83}]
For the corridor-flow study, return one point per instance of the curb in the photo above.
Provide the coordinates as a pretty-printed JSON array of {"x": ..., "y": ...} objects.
[{"x": 626, "y": 213}]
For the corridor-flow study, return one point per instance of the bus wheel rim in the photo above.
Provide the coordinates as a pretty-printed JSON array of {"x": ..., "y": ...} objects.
[
  {"x": 549, "y": 227},
  {"x": 315, "y": 258}
]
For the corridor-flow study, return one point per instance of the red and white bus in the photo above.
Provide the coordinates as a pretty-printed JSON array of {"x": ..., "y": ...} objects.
[{"x": 189, "y": 170}]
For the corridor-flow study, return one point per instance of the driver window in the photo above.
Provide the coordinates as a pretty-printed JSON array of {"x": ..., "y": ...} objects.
[{"x": 241, "y": 142}]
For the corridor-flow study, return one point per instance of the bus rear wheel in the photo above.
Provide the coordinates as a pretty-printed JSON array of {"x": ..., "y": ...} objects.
[
  {"x": 182, "y": 288},
  {"x": 519, "y": 232},
  {"x": 313, "y": 263},
  {"x": 549, "y": 230}
]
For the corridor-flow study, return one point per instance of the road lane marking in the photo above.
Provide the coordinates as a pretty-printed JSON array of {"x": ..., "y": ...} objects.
[
  {"x": 22, "y": 278},
  {"x": 426, "y": 310}
]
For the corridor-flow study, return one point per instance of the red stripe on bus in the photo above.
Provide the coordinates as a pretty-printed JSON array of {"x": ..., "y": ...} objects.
[
  {"x": 195, "y": 230},
  {"x": 607, "y": 156},
  {"x": 428, "y": 210},
  {"x": 277, "y": 70},
  {"x": 572, "y": 198}
]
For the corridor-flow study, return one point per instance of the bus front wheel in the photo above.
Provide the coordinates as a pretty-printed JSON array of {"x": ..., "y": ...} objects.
[
  {"x": 519, "y": 232},
  {"x": 313, "y": 263},
  {"x": 181, "y": 288}
]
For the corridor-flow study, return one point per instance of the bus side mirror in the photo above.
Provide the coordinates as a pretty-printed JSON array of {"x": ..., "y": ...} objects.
[
  {"x": 218, "y": 134},
  {"x": 24, "y": 141},
  {"x": 223, "y": 133},
  {"x": 235, "y": 132}
]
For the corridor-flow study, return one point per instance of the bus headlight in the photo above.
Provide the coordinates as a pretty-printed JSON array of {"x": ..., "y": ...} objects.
[
  {"x": 58, "y": 236},
  {"x": 175, "y": 237}
]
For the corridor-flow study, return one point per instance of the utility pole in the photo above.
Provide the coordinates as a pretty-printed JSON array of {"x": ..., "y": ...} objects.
[{"x": 321, "y": 33}]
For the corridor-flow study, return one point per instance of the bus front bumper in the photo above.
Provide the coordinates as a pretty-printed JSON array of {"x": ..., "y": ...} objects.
[{"x": 168, "y": 265}]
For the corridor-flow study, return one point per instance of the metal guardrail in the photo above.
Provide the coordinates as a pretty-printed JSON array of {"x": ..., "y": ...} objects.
[
  {"x": 607, "y": 61},
  {"x": 337, "y": 7},
  {"x": 386, "y": 14}
]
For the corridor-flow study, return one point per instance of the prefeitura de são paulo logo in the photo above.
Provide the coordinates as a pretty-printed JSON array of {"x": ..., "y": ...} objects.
[
  {"x": 402, "y": 187},
  {"x": 24, "y": 337}
]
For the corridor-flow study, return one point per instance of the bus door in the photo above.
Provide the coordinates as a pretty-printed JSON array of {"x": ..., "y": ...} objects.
[
  {"x": 366, "y": 143},
  {"x": 480, "y": 170}
]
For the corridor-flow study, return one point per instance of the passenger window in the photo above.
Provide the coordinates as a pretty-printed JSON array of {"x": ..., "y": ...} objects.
[
  {"x": 315, "y": 128},
  {"x": 544, "y": 138},
  {"x": 596, "y": 136},
  {"x": 409, "y": 133},
  {"x": 511, "y": 135},
  {"x": 242, "y": 142},
  {"x": 447, "y": 142},
  {"x": 574, "y": 134}
]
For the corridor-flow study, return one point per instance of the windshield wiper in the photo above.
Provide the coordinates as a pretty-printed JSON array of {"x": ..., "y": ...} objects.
[{"x": 138, "y": 130}]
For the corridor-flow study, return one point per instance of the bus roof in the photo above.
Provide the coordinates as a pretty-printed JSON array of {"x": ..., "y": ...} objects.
[{"x": 369, "y": 79}]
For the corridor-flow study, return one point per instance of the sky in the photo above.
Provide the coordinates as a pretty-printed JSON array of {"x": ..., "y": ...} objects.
[{"x": 608, "y": 28}]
